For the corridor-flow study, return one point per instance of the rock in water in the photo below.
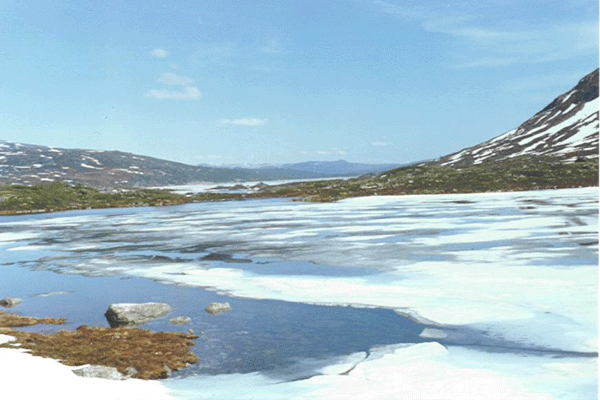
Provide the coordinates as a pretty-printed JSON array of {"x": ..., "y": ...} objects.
[
  {"x": 125, "y": 314},
  {"x": 10, "y": 302},
  {"x": 180, "y": 320},
  {"x": 99, "y": 371},
  {"x": 217, "y": 308}
]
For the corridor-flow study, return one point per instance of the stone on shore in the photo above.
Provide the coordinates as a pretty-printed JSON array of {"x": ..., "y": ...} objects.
[
  {"x": 10, "y": 302},
  {"x": 99, "y": 371},
  {"x": 217, "y": 308},
  {"x": 126, "y": 314}
]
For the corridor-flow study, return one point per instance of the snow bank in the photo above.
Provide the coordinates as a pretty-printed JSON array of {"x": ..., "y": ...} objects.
[
  {"x": 28, "y": 377},
  {"x": 424, "y": 371}
]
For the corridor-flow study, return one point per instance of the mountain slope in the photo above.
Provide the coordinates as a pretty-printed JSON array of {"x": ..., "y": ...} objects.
[
  {"x": 567, "y": 128},
  {"x": 31, "y": 164}
]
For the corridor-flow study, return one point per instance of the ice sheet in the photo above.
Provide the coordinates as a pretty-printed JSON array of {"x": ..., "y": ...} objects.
[
  {"x": 520, "y": 268},
  {"x": 424, "y": 371}
]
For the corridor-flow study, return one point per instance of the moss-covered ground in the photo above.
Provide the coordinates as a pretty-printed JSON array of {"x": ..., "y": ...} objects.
[
  {"x": 525, "y": 173},
  {"x": 122, "y": 348}
]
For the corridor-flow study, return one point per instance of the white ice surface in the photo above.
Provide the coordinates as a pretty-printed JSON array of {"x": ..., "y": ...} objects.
[
  {"x": 426, "y": 371},
  {"x": 510, "y": 264}
]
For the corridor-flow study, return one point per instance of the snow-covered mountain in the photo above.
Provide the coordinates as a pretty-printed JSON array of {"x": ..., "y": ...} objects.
[{"x": 566, "y": 128}]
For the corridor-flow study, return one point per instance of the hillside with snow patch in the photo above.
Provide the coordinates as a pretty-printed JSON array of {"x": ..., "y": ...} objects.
[{"x": 567, "y": 128}]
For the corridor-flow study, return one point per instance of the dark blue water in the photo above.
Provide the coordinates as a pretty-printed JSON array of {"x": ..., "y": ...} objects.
[{"x": 256, "y": 335}]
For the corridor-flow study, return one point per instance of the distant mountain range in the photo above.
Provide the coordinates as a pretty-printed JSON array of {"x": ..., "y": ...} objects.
[
  {"x": 315, "y": 169},
  {"x": 32, "y": 164},
  {"x": 566, "y": 128}
]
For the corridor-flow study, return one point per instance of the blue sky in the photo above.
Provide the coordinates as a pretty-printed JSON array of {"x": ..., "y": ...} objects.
[{"x": 285, "y": 81}]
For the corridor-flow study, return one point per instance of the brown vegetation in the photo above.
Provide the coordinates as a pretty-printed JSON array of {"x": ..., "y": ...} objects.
[
  {"x": 14, "y": 321},
  {"x": 152, "y": 354}
]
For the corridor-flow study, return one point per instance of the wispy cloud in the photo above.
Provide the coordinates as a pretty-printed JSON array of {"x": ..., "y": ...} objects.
[
  {"x": 159, "y": 53},
  {"x": 496, "y": 37},
  {"x": 169, "y": 78},
  {"x": 251, "y": 122},
  {"x": 187, "y": 93},
  {"x": 334, "y": 151},
  {"x": 380, "y": 144}
]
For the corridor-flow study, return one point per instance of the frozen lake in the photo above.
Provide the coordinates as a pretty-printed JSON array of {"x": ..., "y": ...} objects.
[{"x": 508, "y": 280}]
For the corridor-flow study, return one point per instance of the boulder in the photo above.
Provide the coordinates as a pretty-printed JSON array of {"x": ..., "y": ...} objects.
[
  {"x": 131, "y": 371},
  {"x": 10, "y": 302},
  {"x": 180, "y": 320},
  {"x": 125, "y": 314},
  {"x": 217, "y": 308},
  {"x": 99, "y": 371}
]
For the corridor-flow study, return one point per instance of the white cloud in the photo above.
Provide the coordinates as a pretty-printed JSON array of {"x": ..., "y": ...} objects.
[
  {"x": 244, "y": 122},
  {"x": 380, "y": 144},
  {"x": 169, "y": 78},
  {"x": 187, "y": 93},
  {"x": 159, "y": 53}
]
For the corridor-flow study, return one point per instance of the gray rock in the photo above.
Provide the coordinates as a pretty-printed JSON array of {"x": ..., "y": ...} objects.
[
  {"x": 432, "y": 333},
  {"x": 10, "y": 302},
  {"x": 125, "y": 314},
  {"x": 217, "y": 308},
  {"x": 180, "y": 320},
  {"x": 99, "y": 371},
  {"x": 131, "y": 371}
]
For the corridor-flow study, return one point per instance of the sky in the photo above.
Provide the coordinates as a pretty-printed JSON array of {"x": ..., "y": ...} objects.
[{"x": 253, "y": 82}]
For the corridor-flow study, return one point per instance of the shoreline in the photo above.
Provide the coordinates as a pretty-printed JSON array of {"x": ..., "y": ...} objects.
[{"x": 519, "y": 174}]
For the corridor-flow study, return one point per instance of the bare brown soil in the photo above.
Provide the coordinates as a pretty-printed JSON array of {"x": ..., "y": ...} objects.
[{"x": 152, "y": 354}]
